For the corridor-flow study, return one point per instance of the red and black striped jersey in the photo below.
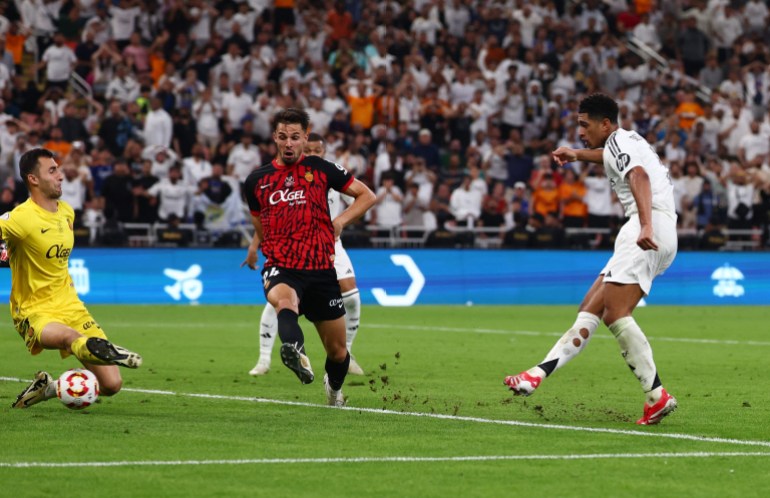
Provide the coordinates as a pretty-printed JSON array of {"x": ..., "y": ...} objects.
[{"x": 292, "y": 205}]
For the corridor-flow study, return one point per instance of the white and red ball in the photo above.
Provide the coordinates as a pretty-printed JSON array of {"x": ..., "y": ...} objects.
[{"x": 77, "y": 388}]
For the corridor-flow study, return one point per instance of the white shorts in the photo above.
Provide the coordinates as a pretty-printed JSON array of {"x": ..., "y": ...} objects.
[
  {"x": 630, "y": 264},
  {"x": 342, "y": 264}
]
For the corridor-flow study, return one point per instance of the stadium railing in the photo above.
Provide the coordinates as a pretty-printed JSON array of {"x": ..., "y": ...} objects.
[{"x": 398, "y": 236}]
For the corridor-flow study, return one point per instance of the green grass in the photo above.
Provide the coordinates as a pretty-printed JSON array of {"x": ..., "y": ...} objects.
[{"x": 447, "y": 362}]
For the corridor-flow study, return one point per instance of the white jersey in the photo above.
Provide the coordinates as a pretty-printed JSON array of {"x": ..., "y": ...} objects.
[
  {"x": 625, "y": 150},
  {"x": 342, "y": 264},
  {"x": 337, "y": 202}
]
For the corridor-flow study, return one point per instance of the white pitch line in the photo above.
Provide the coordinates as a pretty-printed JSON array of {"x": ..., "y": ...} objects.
[
  {"x": 396, "y": 459},
  {"x": 432, "y": 328},
  {"x": 457, "y": 418}
]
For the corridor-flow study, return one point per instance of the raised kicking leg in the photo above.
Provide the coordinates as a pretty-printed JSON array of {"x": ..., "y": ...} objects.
[{"x": 570, "y": 345}]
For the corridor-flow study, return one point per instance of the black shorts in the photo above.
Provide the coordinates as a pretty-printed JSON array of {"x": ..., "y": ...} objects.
[{"x": 319, "y": 293}]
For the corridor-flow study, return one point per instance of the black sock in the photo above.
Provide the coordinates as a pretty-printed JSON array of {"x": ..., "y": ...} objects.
[
  {"x": 337, "y": 372},
  {"x": 289, "y": 329},
  {"x": 549, "y": 366}
]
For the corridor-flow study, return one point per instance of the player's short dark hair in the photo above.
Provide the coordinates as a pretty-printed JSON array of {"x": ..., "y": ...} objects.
[
  {"x": 599, "y": 106},
  {"x": 292, "y": 115},
  {"x": 315, "y": 137},
  {"x": 28, "y": 163}
]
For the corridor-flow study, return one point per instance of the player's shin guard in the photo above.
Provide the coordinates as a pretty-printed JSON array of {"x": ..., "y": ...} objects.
[
  {"x": 82, "y": 353},
  {"x": 337, "y": 372},
  {"x": 638, "y": 355},
  {"x": 571, "y": 343},
  {"x": 289, "y": 329},
  {"x": 268, "y": 330},
  {"x": 352, "y": 301}
]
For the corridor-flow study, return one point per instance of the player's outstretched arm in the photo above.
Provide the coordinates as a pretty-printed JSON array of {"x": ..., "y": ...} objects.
[
  {"x": 363, "y": 199},
  {"x": 564, "y": 155},
  {"x": 641, "y": 189},
  {"x": 252, "y": 252}
]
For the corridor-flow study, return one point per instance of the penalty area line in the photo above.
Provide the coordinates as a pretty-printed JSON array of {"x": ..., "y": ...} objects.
[
  {"x": 455, "y": 418},
  {"x": 393, "y": 459}
]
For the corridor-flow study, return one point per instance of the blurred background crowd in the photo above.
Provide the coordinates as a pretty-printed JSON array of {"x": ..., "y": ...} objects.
[{"x": 448, "y": 109}]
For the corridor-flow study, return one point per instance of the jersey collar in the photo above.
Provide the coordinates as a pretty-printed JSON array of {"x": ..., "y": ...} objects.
[{"x": 282, "y": 166}]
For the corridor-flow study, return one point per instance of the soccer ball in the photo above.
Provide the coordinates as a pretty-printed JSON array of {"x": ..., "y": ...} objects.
[{"x": 77, "y": 388}]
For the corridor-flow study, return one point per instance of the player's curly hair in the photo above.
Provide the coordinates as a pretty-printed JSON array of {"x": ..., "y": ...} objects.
[
  {"x": 292, "y": 115},
  {"x": 28, "y": 163},
  {"x": 599, "y": 106}
]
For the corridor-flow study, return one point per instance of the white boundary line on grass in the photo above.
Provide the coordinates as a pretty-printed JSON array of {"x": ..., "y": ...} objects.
[
  {"x": 728, "y": 342},
  {"x": 401, "y": 459},
  {"x": 457, "y": 418},
  {"x": 558, "y": 334}
]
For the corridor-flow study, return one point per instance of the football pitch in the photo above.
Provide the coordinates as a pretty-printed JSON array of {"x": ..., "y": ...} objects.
[{"x": 430, "y": 418}]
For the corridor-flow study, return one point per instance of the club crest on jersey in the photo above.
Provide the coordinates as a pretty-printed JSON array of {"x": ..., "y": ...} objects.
[
  {"x": 289, "y": 182},
  {"x": 309, "y": 176}
]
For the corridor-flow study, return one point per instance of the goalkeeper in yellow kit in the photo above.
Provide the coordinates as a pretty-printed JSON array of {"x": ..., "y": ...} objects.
[{"x": 45, "y": 308}]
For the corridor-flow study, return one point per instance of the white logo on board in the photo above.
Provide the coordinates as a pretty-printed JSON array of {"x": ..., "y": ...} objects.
[
  {"x": 187, "y": 283},
  {"x": 80, "y": 276},
  {"x": 728, "y": 278}
]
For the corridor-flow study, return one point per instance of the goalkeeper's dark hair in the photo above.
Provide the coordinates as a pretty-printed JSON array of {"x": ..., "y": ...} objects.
[
  {"x": 599, "y": 106},
  {"x": 29, "y": 165},
  {"x": 292, "y": 115}
]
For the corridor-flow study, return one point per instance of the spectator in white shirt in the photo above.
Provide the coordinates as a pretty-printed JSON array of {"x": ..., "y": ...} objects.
[
  {"x": 755, "y": 14},
  {"x": 753, "y": 148},
  {"x": 426, "y": 24},
  {"x": 235, "y": 106},
  {"x": 233, "y": 62},
  {"x": 173, "y": 195},
  {"x": 333, "y": 103},
  {"x": 196, "y": 167},
  {"x": 243, "y": 158},
  {"x": 59, "y": 61},
  {"x": 207, "y": 113},
  {"x": 73, "y": 189},
  {"x": 162, "y": 159},
  {"x": 456, "y": 17},
  {"x": 647, "y": 32},
  {"x": 123, "y": 23},
  {"x": 388, "y": 209},
  {"x": 201, "y": 13},
  {"x": 465, "y": 203},
  {"x": 122, "y": 87},
  {"x": 158, "y": 125}
]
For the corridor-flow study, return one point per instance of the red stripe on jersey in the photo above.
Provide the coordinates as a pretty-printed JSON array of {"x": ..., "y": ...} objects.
[{"x": 348, "y": 184}]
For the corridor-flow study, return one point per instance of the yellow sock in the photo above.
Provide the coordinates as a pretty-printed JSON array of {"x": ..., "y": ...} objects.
[{"x": 82, "y": 353}]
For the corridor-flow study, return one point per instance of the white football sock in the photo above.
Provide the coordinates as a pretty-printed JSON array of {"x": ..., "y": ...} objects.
[
  {"x": 352, "y": 301},
  {"x": 571, "y": 343},
  {"x": 638, "y": 355},
  {"x": 268, "y": 330}
]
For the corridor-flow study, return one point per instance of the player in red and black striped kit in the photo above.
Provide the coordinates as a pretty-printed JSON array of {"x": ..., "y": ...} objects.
[{"x": 292, "y": 226}]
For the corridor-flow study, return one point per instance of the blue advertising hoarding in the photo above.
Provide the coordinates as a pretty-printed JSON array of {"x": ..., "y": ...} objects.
[{"x": 391, "y": 277}]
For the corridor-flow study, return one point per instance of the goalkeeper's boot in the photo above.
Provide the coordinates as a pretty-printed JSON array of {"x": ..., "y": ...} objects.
[
  {"x": 112, "y": 354},
  {"x": 354, "y": 368},
  {"x": 261, "y": 368},
  {"x": 333, "y": 398},
  {"x": 297, "y": 362},
  {"x": 35, "y": 392},
  {"x": 654, "y": 413},
  {"x": 523, "y": 384}
]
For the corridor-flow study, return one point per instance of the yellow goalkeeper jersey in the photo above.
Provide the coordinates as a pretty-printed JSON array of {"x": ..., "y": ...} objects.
[{"x": 39, "y": 244}]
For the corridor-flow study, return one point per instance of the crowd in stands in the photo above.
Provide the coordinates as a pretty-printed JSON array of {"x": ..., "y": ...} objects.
[{"x": 448, "y": 109}]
